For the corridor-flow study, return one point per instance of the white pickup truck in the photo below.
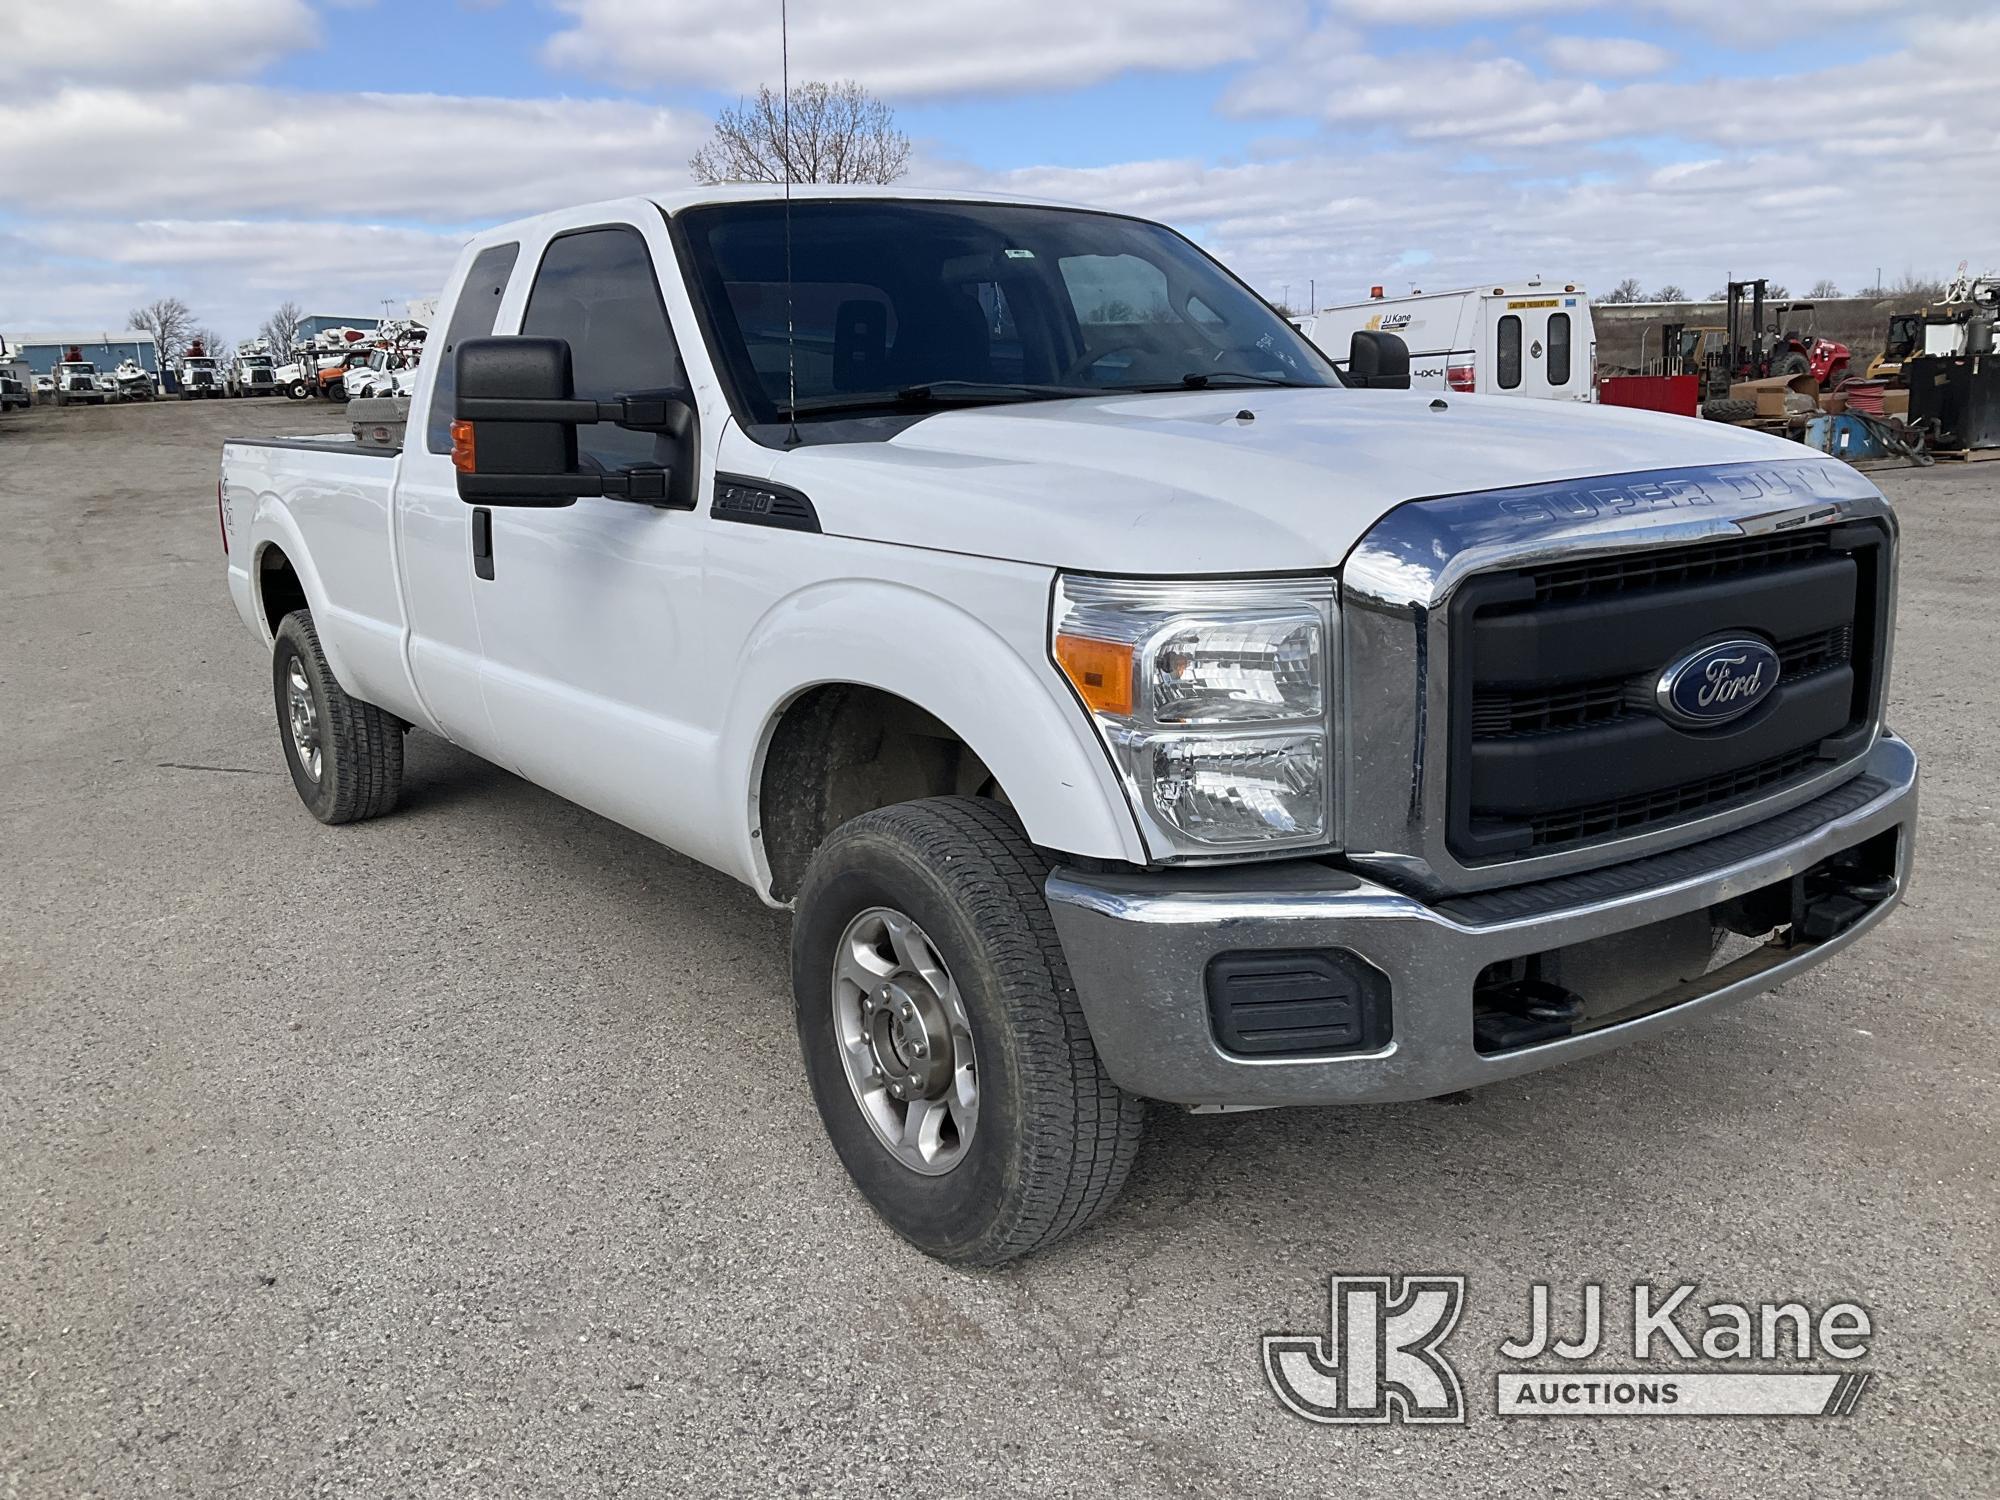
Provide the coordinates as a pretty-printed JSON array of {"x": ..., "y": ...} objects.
[{"x": 1127, "y": 705}]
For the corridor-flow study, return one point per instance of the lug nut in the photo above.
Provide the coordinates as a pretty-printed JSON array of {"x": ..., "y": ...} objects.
[{"x": 916, "y": 1049}]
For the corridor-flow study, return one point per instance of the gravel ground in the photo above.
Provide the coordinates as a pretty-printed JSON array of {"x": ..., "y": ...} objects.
[{"x": 467, "y": 1153}]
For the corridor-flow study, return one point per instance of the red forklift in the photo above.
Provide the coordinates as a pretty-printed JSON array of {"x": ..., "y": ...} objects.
[{"x": 1788, "y": 345}]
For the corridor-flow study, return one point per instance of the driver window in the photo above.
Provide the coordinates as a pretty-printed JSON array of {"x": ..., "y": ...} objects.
[{"x": 596, "y": 289}]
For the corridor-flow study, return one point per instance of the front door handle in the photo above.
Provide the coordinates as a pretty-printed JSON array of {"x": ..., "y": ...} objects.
[{"x": 482, "y": 541}]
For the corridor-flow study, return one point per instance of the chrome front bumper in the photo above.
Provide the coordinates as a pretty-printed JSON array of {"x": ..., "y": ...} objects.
[{"x": 1139, "y": 947}]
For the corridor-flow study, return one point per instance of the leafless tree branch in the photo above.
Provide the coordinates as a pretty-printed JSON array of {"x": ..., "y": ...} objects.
[{"x": 839, "y": 133}]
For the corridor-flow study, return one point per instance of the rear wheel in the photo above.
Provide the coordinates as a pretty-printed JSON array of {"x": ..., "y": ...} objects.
[
  {"x": 346, "y": 756},
  {"x": 1793, "y": 363},
  {"x": 942, "y": 1036}
]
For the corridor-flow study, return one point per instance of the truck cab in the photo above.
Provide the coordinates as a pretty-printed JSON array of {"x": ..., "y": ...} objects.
[
  {"x": 76, "y": 383},
  {"x": 254, "y": 374},
  {"x": 1126, "y": 703},
  {"x": 202, "y": 376}
]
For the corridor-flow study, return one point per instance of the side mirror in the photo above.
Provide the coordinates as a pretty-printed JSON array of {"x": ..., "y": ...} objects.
[
  {"x": 1378, "y": 361},
  {"x": 513, "y": 440}
]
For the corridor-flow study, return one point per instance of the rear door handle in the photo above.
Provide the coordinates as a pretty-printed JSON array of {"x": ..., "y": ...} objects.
[{"x": 482, "y": 541}]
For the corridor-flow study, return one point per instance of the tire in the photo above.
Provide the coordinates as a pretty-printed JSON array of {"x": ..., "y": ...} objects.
[
  {"x": 296, "y": 390},
  {"x": 1729, "y": 410},
  {"x": 359, "y": 747},
  {"x": 1051, "y": 1138},
  {"x": 1793, "y": 363}
]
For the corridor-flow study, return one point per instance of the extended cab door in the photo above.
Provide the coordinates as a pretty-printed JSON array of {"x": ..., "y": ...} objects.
[
  {"x": 435, "y": 527},
  {"x": 591, "y": 617}
]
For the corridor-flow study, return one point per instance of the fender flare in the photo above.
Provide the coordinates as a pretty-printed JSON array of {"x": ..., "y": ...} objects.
[
  {"x": 1013, "y": 713},
  {"x": 273, "y": 526}
]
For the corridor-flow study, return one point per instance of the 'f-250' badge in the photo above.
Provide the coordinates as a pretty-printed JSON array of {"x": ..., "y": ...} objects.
[{"x": 1717, "y": 682}]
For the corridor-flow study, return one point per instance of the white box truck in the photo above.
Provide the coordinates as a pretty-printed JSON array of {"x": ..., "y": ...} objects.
[{"x": 1526, "y": 339}]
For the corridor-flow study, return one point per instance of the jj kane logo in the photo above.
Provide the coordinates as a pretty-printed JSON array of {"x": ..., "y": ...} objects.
[{"x": 1383, "y": 1360}]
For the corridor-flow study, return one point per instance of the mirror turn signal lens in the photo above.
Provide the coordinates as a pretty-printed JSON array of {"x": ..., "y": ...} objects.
[
  {"x": 1100, "y": 671},
  {"x": 464, "y": 456}
]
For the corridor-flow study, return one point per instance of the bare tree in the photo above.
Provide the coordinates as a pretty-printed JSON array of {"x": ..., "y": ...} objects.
[
  {"x": 839, "y": 133},
  {"x": 213, "y": 344},
  {"x": 171, "y": 323},
  {"x": 1673, "y": 291},
  {"x": 282, "y": 327},
  {"x": 1910, "y": 284},
  {"x": 1824, "y": 287},
  {"x": 1626, "y": 291}
]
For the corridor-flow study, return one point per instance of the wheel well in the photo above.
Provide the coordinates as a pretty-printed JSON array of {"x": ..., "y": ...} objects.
[
  {"x": 842, "y": 750},
  {"x": 279, "y": 590}
]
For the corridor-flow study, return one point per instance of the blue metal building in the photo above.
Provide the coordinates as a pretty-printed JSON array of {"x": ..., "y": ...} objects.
[{"x": 44, "y": 351}]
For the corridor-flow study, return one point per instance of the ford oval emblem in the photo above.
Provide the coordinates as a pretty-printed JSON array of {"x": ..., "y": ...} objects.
[{"x": 1718, "y": 682}]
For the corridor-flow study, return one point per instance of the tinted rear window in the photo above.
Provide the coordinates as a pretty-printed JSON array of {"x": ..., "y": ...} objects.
[
  {"x": 1510, "y": 352},
  {"x": 471, "y": 318}
]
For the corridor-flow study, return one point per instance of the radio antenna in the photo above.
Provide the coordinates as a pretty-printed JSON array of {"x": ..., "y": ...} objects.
[{"x": 791, "y": 320}]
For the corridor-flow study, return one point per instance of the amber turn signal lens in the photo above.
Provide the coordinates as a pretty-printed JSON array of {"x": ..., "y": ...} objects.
[
  {"x": 464, "y": 457},
  {"x": 1100, "y": 671}
]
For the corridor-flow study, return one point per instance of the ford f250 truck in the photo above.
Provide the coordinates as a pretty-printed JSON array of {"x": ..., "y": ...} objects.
[{"x": 1127, "y": 705}]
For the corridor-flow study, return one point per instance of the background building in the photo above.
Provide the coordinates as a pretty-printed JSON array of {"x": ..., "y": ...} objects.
[
  {"x": 44, "y": 351},
  {"x": 318, "y": 323}
]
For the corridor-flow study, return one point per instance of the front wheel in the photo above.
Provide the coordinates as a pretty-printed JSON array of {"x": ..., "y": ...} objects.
[{"x": 942, "y": 1036}]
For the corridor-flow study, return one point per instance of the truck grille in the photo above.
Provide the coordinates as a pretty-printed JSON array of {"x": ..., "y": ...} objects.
[
  {"x": 1503, "y": 712},
  {"x": 1557, "y": 741}
]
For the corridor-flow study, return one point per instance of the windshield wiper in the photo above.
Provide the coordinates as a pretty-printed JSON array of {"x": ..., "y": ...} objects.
[
  {"x": 1201, "y": 380},
  {"x": 938, "y": 393}
]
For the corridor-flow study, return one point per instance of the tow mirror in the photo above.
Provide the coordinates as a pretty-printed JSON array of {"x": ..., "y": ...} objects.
[
  {"x": 513, "y": 437},
  {"x": 1378, "y": 361}
]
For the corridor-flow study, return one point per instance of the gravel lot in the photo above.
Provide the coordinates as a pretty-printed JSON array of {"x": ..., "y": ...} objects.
[{"x": 468, "y": 1153}]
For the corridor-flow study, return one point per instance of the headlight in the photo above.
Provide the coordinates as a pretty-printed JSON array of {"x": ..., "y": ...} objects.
[{"x": 1213, "y": 698}]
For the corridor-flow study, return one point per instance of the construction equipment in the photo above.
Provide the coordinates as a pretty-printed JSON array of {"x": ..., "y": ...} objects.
[
  {"x": 1795, "y": 347},
  {"x": 1906, "y": 336},
  {"x": 1954, "y": 379}
]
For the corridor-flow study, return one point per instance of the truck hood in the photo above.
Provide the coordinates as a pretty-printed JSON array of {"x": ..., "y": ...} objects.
[{"x": 1185, "y": 484}]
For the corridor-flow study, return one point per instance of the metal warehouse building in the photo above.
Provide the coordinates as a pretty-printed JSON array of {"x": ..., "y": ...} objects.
[
  {"x": 44, "y": 351},
  {"x": 318, "y": 323}
]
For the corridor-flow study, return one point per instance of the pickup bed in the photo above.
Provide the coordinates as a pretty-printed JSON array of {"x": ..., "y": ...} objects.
[{"x": 1127, "y": 704}]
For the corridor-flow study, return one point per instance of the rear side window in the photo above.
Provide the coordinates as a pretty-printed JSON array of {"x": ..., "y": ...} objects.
[
  {"x": 472, "y": 318},
  {"x": 596, "y": 289},
  {"x": 1558, "y": 348},
  {"x": 1510, "y": 353}
]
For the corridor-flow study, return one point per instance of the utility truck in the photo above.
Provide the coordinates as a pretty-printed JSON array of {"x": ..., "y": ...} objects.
[
  {"x": 1529, "y": 338},
  {"x": 202, "y": 375},
  {"x": 1127, "y": 704},
  {"x": 77, "y": 382}
]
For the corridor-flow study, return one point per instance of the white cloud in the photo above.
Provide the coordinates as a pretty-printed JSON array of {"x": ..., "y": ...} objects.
[
  {"x": 87, "y": 274},
  {"x": 48, "y": 42},
  {"x": 241, "y": 150},
  {"x": 905, "y": 51},
  {"x": 1606, "y": 56}
]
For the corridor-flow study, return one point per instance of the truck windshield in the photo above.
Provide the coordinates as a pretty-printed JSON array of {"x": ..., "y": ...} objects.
[{"x": 900, "y": 304}]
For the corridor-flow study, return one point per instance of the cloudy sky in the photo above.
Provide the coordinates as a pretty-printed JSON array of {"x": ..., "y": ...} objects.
[{"x": 336, "y": 152}]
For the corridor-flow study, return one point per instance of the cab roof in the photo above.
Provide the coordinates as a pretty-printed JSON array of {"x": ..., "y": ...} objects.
[{"x": 756, "y": 192}]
